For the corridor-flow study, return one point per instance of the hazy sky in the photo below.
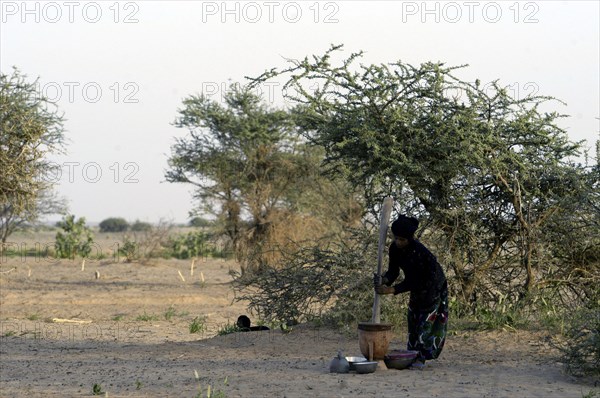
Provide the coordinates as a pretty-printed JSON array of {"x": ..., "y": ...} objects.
[{"x": 119, "y": 70}]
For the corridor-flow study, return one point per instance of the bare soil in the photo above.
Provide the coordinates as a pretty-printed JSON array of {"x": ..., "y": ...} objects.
[{"x": 62, "y": 331}]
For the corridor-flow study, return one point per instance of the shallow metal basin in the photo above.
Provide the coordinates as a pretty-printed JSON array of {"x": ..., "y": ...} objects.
[
  {"x": 365, "y": 367},
  {"x": 353, "y": 360}
]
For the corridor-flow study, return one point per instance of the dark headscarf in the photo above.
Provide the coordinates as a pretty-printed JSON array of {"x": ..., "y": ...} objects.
[{"x": 405, "y": 227}]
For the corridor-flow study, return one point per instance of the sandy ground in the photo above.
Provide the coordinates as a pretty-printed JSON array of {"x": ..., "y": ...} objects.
[{"x": 134, "y": 341}]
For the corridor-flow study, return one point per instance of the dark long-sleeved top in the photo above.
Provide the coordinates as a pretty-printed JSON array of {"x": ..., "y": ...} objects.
[{"x": 423, "y": 275}]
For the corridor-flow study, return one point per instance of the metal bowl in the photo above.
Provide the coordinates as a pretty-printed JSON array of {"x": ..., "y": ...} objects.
[
  {"x": 353, "y": 360},
  {"x": 400, "y": 359},
  {"x": 365, "y": 366}
]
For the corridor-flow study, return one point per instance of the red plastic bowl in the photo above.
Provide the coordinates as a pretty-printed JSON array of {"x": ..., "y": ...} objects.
[{"x": 402, "y": 354}]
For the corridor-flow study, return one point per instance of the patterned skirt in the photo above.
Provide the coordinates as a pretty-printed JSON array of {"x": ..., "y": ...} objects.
[{"x": 427, "y": 328}]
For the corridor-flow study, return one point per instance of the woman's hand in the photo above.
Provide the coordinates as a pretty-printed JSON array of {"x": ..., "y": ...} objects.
[
  {"x": 379, "y": 280},
  {"x": 382, "y": 289}
]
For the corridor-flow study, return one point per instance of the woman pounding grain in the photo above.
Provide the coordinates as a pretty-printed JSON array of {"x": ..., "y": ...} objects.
[{"x": 426, "y": 282}]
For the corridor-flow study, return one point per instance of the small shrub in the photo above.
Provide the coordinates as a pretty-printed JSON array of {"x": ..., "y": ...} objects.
[
  {"x": 97, "y": 389},
  {"x": 192, "y": 244},
  {"x": 75, "y": 239},
  {"x": 591, "y": 394},
  {"x": 170, "y": 313},
  {"x": 146, "y": 317},
  {"x": 145, "y": 243},
  {"x": 129, "y": 249},
  {"x": 210, "y": 391},
  {"x": 228, "y": 329},
  {"x": 328, "y": 281},
  {"x": 581, "y": 351},
  {"x": 198, "y": 325}
]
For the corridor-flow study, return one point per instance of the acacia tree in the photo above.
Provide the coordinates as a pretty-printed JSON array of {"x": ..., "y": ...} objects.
[
  {"x": 485, "y": 170},
  {"x": 30, "y": 129},
  {"x": 247, "y": 163}
]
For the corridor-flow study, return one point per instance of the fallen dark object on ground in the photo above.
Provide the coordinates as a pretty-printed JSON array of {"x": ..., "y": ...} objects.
[{"x": 243, "y": 323}]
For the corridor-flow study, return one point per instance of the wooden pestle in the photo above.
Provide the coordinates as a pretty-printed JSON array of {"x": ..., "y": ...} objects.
[{"x": 386, "y": 211}]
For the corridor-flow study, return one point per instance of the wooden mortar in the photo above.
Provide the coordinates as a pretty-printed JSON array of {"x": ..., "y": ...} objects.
[{"x": 374, "y": 339}]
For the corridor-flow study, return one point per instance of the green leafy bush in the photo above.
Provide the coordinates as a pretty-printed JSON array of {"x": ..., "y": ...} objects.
[
  {"x": 192, "y": 244},
  {"x": 97, "y": 389},
  {"x": 129, "y": 249},
  {"x": 76, "y": 239}
]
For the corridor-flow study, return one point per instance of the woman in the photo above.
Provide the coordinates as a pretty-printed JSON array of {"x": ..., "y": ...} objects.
[{"x": 426, "y": 282}]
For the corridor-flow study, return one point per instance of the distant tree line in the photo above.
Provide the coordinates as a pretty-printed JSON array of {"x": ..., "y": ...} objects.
[{"x": 118, "y": 224}]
